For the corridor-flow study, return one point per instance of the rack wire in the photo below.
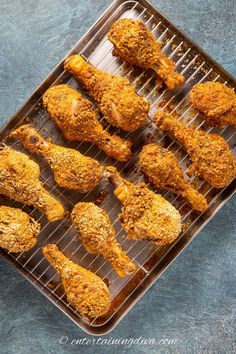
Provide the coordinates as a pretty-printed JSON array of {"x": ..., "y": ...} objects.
[{"x": 98, "y": 51}]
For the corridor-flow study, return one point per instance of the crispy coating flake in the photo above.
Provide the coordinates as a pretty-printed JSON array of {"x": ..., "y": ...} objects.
[
  {"x": 19, "y": 180},
  {"x": 71, "y": 169},
  {"x": 135, "y": 44},
  {"x": 116, "y": 97},
  {"x": 84, "y": 290},
  {"x": 18, "y": 231},
  {"x": 145, "y": 214},
  {"x": 216, "y": 101},
  {"x": 210, "y": 154},
  {"x": 98, "y": 236},
  {"x": 163, "y": 170},
  {"x": 78, "y": 122}
]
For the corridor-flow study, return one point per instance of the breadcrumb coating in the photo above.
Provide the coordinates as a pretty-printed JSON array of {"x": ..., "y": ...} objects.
[
  {"x": 163, "y": 170},
  {"x": 18, "y": 231},
  {"x": 19, "y": 180},
  {"x": 115, "y": 96},
  {"x": 210, "y": 154},
  {"x": 86, "y": 291},
  {"x": 71, "y": 169},
  {"x": 78, "y": 122},
  {"x": 134, "y": 43},
  {"x": 145, "y": 215},
  {"x": 216, "y": 101},
  {"x": 98, "y": 236}
]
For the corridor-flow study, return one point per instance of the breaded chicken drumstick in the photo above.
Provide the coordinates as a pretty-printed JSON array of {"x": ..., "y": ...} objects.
[
  {"x": 162, "y": 168},
  {"x": 216, "y": 101},
  {"x": 84, "y": 290},
  {"x": 71, "y": 169},
  {"x": 19, "y": 180},
  {"x": 210, "y": 154},
  {"x": 115, "y": 96},
  {"x": 145, "y": 214},
  {"x": 18, "y": 231},
  {"x": 77, "y": 121},
  {"x": 135, "y": 44},
  {"x": 98, "y": 236}
]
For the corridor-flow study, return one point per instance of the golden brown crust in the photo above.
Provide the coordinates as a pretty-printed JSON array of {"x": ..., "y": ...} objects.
[
  {"x": 19, "y": 180},
  {"x": 78, "y": 122},
  {"x": 210, "y": 154},
  {"x": 18, "y": 231},
  {"x": 122, "y": 107},
  {"x": 116, "y": 97},
  {"x": 71, "y": 169},
  {"x": 84, "y": 290},
  {"x": 216, "y": 101},
  {"x": 145, "y": 215},
  {"x": 98, "y": 236},
  {"x": 135, "y": 44},
  {"x": 163, "y": 170}
]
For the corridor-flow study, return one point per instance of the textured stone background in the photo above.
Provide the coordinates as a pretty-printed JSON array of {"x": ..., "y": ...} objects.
[{"x": 194, "y": 301}]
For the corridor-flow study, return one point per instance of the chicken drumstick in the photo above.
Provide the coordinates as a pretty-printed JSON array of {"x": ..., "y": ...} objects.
[
  {"x": 19, "y": 180},
  {"x": 145, "y": 214},
  {"x": 78, "y": 122},
  {"x": 18, "y": 231},
  {"x": 98, "y": 236},
  {"x": 116, "y": 97},
  {"x": 71, "y": 169},
  {"x": 216, "y": 101},
  {"x": 210, "y": 154},
  {"x": 135, "y": 44},
  {"x": 163, "y": 170},
  {"x": 84, "y": 290}
]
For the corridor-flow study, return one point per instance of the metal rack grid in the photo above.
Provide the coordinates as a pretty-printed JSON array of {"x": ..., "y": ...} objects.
[{"x": 98, "y": 51}]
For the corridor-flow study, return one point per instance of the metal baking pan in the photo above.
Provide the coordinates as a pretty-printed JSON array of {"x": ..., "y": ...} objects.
[{"x": 151, "y": 261}]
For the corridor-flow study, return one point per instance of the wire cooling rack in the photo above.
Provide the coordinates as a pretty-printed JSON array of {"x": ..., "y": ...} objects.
[{"x": 150, "y": 260}]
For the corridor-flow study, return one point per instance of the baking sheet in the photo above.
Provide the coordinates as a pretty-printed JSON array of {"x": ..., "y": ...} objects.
[{"x": 150, "y": 261}]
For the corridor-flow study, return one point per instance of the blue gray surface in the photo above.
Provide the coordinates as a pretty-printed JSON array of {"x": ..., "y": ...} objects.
[{"x": 194, "y": 302}]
